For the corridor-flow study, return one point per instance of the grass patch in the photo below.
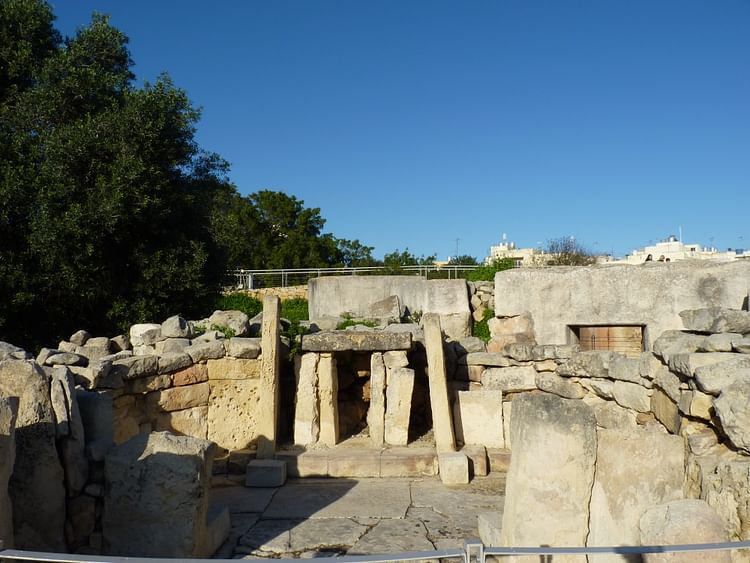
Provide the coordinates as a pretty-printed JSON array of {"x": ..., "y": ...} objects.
[
  {"x": 481, "y": 329},
  {"x": 240, "y": 302}
]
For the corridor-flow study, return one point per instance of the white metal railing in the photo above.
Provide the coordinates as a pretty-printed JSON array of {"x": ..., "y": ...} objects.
[
  {"x": 252, "y": 279},
  {"x": 473, "y": 552}
]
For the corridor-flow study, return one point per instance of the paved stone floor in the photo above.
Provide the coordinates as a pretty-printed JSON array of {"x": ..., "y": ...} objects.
[{"x": 322, "y": 517}]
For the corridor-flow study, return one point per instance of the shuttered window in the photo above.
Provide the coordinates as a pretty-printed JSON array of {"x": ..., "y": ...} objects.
[{"x": 626, "y": 340}]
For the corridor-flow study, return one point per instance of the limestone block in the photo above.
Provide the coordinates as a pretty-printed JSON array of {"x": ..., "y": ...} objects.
[
  {"x": 268, "y": 386},
  {"x": 12, "y": 352},
  {"x": 197, "y": 373},
  {"x": 79, "y": 338},
  {"x": 713, "y": 378},
  {"x": 478, "y": 418},
  {"x": 398, "y": 406},
  {"x": 172, "y": 346},
  {"x": 507, "y": 411},
  {"x": 522, "y": 352},
  {"x": 673, "y": 342},
  {"x": 328, "y": 390},
  {"x": 686, "y": 364},
  {"x": 96, "y": 347},
  {"x": 733, "y": 409},
  {"x": 701, "y": 406},
  {"x": 178, "y": 398},
  {"x": 120, "y": 342},
  {"x": 683, "y": 522},
  {"x": 357, "y": 341},
  {"x": 67, "y": 359},
  {"x": 189, "y": 422},
  {"x": 212, "y": 350},
  {"x": 632, "y": 396},
  {"x": 490, "y": 524},
  {"x": 247, "y": 348},
  {"x": 135, "y": 366},
  {"x": 8, "y": 414},
  {"x": 602, "y": 387},
  {"x": 716, "y": 320},
  {"x": 666, "y": 411},
  {"x": 510, "y": 379},
  {"x": 454, "y": 468},
  {"x": 376, "y": 412},
  {"x": 97, "y": 413},
  {"x": 395, "y": 359},
  {"x": 265, "y": 473},
  {"x": 146, "y": 384},
  {"x": 546, "y": 365},
  {"x": 592, "y": 363},
  {"x": 625, "y": 369},
  {"x": 551, "y": 473},
  {"x": 238, "y": 321},
  {"x": 725, "y": 486},
  {"x": 609, "y": 414},
  {"x": 175, "y": 327},
  {"x": 485, "y": 359},
  {"x": 171, "y": 362},
  {"x": 469, "y": 373},
  {"x": 505, "y": 342},
  {"x": 701, "y": 443},
  {"x": 742, "y": 346},
  {"x": 306, "y": 408},
  {"x": 144, "y": 333},
  {"x": 478, "y": 461},
  {"x": 469, "y": 344},
  {"x": 72, "y": 444},
  {"x": 408, "y": 462},
  {"x": 388, "y": 308},
  {"x": 720, "y": 342},
  {"x": 233, "y": 368},
  {"x": 635, "y": 470},
  {"x": 36, "y": 486},
  {"x": 557, "y": 385},
  {"x": 442, "y": 420},
  {"x": 156, "y": 501},
  {"x": 233, "y": 411},
  {"x": 669, "y": 383},
  {"x": 519, "y": 324},
  {"x": 354, "y": 462}
]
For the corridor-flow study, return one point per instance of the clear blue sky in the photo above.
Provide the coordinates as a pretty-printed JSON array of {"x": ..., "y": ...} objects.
[{"x": 416, "y": 123}]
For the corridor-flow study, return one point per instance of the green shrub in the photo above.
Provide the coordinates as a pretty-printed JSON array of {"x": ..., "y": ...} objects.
[
  {"x": 295, "y": 310},
  {"x": 481, "y": 329},
  {"x": 487, "y": 272},
  {"x": 224, "y": 329},
  {"x": 239, "y": 302}
]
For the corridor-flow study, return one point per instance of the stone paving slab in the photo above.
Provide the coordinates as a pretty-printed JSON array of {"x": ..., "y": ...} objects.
[
  {"x": 242, "y": 499},
  {"x": 390, "y": 536}
]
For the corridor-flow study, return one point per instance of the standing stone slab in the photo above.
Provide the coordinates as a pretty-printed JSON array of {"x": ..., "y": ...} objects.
[
  {"x": 307, "y": 410},
  {"x": 376, "y": 412},
  {"x": 72, "y": 446},
  {"x": 36, "y": 486},
  {"x": 268, "y": 407},
  {"x": 635, "y": 470},
  {"x": 8, "y": 413},
  {"x": 551, "y": 473},
  {"x": 233, "y": 411},
  {"x": 733, "y": 409},
  {"x": 479, "y": 418},
  {"x": 442, "y": 421},
  {"x": 398, "y": 406},
  {"x": 328, "y": 390}
]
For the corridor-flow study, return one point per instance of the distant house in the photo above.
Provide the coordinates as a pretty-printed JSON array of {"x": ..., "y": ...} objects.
[{"x": 672, "y": 249}]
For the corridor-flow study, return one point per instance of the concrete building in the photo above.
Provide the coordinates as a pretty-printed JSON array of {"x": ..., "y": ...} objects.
[{"x": 672, "y": 249}]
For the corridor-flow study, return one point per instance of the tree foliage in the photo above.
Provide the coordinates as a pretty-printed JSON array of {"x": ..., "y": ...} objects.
[
  {"x": 567, "y": 251},
  {"x": 463, "y": 260}
]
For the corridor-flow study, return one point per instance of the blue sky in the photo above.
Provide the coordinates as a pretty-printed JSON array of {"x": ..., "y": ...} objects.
[{"x": 416, "y": 123}]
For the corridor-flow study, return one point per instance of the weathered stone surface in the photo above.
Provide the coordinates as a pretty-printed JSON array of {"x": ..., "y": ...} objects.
[
  {"x": 469, "y": 373},
  {"x": 197, "y": 373},
  {"x": 67, "y": 359},
  {"x": 632, "y": 396},
  {"x": 468, "y": 344},
  {"x": 358, "y": 341},
  {"x": 701, "y": 443},
  {"x": 376, "y": 411},
  {"x": 701, "y": 406},
  {"x": 12, "y": 352},
  {"x": 517, "y": 325},
  {"x": 120, "y": 343},
  {"x": 686, "y": 364},
  {"x": 36, "y": 486},
  {"x": 557, "y": 385},
  {"x": 507, "y": 412},
  {"x": 713, "y": 378},
  {"x": 144, "y": 333},
  {"x": 71, "y": 444},
  {"x": 135, "y": 366},
  {"x": 233, "y": 412},
  {"x": 442, "y": 418},
  {"x": 172, "y": 346},
  {"x": 551, "y": 472},
  {"x": 490, "y": 524},
  {"x": 604, "y": 388},
  {"x": 189, "y": 422},
  {"x": 8, "y": 414},
  {"x": 156, "y": 503},
  {"x": 328, "y": 390},
  {"x": 743, "y": 346},
  {"x": 393, "y": 536},
  {"x": 485, "y": 359},
  {"x": 388, "y": 308},
  {"x": 287, "y": 537},
  {"x": 478, "y": 418},
  {"x": 306, "y": 408},
  {"x": 672, "y": 342},
  {"x": 716, "y": 320},
  {"x": 592, "y": 363},
  {"x": 733, "y": 409},
  {"x": 212, "y": 350},
  {"x": 635, "y": 470},
  {"x": 248, "y": 348},
  {"x": 720, "y": 342},
  {"x": 96, "y": 347},
  {"x": 666, "y": 411},
  {"x": 454, "y": 468},
  {"x": 546, "y": 365},
  {"x": 175, "y": 327},
  {"x": 79, "y": 338},
  {"x": 611, "y": 415},
  {"x": 265, "y": 473},
  {"x": 510, "y": 379},
  {"x": 395, "y": 359},
  {"x": 169, "y": 363},
  {"x": 179, "y": 398},
  {"x": 625, "y": 369},
  {"x": 725, "y": 486},
  {"x": 669, "y": 383},
  {"x": 238, "y": 321},
  {"x": 683, "y": 522},
  {"x": 398, "y": 406},
  {"x": 478, "y": 460},
  {"x": 233, "y": 368}
]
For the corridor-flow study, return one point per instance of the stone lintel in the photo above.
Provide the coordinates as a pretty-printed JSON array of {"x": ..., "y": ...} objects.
[{"x": 357, "y": 341}]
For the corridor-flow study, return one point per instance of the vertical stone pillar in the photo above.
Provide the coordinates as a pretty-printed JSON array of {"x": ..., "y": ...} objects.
[
  {"x": 442, "y": 420},
  {"x": 328, "y": 386},
  {"x": 268, "y": 406},
  {"x": 398, "y": 405},
  {"x": 307, "y": 410},
  {"x": 376, "y": 412},
  {"x": 8, "y": 414}
]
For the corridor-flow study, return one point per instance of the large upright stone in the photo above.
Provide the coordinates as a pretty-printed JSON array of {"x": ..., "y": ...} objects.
[
  {"x": 268, "y": 407},
  {"x": 442, "y": 419},
  {"x": 8, "y": 413},
  {"x": 733, "y": 409},
  {"x": 479, "y": 418},
  {"x": 398, "y": 406},
  {"x": 36, "y": 487},
  {"x": 328, "y": 391},
  {"x": 156, "y": 501},
  {"x": 376, "y": 412},
  {"x": 635, "y": 470},
  {"x": 306, "y": 407},
  {"x": 551, "y": 473},
  {"x": 72, "y": 445}
]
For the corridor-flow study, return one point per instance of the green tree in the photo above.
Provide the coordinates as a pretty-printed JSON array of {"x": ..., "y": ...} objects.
[
  {"x": 567, "y": 251},
  {"x": 463, "y": 260},
  {"x": 395, "y": 261}
]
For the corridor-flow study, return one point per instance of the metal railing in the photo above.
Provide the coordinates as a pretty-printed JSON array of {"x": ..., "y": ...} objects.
[
  {"x": 473, "y": 552},
  {"x": 254, "y": 279}
]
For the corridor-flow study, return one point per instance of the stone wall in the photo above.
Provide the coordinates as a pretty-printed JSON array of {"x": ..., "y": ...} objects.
[{"x": 651, "y": 294}]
